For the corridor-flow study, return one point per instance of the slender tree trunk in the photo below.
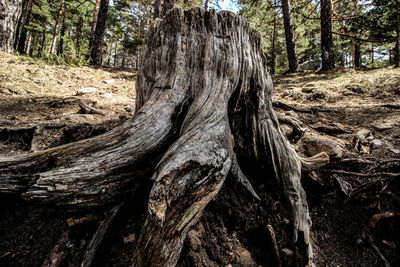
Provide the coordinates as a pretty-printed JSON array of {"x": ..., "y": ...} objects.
[
  {"x": 43, "y": 43},
  {"x": 98, "y": 37},
  {"x": 10, "y": 12},
  {"x": 94, "y": 21},
  {"x": 109, "y": 55},
  {"x": 79, "y": 28},
  {"x": 157, "y": 9},
  {"x": 342, "y": 59},
  {"x": 326, "y": 36},
  {"x": 123, "y": 59},
  {"x": 28, "y": 43},
  {"x": 273, "y": 55},
  {"x": 60, "y": 49},
  {"x": 397, "y": 45},
  {"x": 290, "y": 45},
  {"x": 24, "y": 30},
  {"x": 357, "y": 55},
  {"x": 20, "y": 21},
  {"x": 52, "y": 48},
  {"x": 372, "y": 54},
  {"x": 397, "y": 48},
  {"x": 115, "y": 53},
  {"x": 34, "y": 43}
]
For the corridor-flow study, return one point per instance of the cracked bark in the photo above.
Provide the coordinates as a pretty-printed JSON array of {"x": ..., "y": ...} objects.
[
  {"x": 203, "y": 110},
  {"x": 10, "y": 12}
]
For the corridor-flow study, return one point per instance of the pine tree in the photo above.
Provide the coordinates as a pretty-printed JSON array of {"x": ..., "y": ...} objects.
[
  {"x": 98, "y": 37},
  {"x": 326, "y": 36},
  {"x": 290, "y": 45},
  {"x": 383, "y": 20}
]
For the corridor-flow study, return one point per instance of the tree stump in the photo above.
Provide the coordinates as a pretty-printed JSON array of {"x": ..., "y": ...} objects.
[{"x": 203, "y": 111}]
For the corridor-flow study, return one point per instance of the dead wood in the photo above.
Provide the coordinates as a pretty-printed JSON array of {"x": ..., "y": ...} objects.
[
  {"x": 98, "y": 236},
  {"x": 59, "y": 251},
  {"x": 295, "y": 123},
  {"x": 88, "y": 109},
  {"x": 274, "y": 245},
  {"x": 335, "y": 128},
  {"x": 374, "y": 174},
  {"x": 203, "y": 111}
]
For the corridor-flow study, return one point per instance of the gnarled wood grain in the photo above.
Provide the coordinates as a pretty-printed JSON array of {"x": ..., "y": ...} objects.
[{"x": 203, "y": 110}]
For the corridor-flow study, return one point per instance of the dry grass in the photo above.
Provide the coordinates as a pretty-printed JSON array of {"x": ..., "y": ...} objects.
[
  {"x": 24, "y": 80},
  {"x": 349, "y": 87}
]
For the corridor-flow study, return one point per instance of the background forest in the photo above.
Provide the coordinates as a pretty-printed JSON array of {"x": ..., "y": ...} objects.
[{"x": 349, "y": 33}]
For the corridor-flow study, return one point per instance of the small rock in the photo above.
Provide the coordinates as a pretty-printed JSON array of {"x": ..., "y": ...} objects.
[
  {"x": 86, "y": 90},
  {"x": 376, "y": 143},
  {"x": 384, "y": 126},
  {"x": 108, "y": 96},
  {"x": 315, "y": 144},
  {"x": 129, "y": 239},
  {"x": 361, "y": 140},
  {"x": 109, "y": 81},
  {"x": 287, "y": 251}
]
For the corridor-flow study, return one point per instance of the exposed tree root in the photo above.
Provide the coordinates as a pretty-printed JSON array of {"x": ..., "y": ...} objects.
[
  {"x": 374, "y": 174},
  {"x": 366, "y": 236},
  {"x": 298, "y": 130},
  {"x": 97, "y": 238},
  {"x": 59, "y": 251},
  {"x": 274, "y": 245},
  {"x": 203, "y": 110}
]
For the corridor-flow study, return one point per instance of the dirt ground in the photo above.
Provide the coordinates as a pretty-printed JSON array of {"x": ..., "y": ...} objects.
[{"x": 354, "y": 201}]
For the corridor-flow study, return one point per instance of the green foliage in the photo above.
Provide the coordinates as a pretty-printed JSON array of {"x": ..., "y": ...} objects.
[
  {"x": 128, "y": 22},
  {"x": 262, "y": 15}
]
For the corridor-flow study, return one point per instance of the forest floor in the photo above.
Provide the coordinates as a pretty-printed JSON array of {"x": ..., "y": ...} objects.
[{"x": 354, "y": 201}]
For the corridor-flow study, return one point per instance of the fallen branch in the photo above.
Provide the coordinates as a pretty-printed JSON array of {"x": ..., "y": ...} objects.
[
  {"x": 360, "y": 174},
  {"x": 88, "y": 109},
  {"x": 335, "y": 128}
]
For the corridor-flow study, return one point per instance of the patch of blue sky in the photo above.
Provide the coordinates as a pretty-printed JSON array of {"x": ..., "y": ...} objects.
[{"x": 231, "y": 5}]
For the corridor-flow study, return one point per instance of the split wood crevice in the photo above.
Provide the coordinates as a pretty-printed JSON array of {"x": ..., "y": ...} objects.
[{"x": 203, "y": 111}]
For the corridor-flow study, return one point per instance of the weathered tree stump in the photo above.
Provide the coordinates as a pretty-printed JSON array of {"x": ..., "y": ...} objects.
[{"x": 203, "y": 110}]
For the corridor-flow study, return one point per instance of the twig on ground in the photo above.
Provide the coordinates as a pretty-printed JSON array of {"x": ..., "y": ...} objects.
[{"x": 88, "y": 109}]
